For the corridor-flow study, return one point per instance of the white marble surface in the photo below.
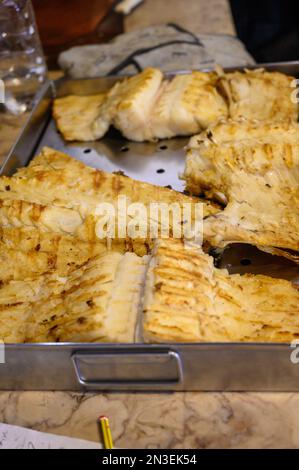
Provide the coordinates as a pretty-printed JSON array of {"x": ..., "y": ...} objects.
[{"x": 162, "y": 420}]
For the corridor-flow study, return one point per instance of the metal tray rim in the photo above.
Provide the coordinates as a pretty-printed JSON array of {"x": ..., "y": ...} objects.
[{"x": 203, "y": 345}]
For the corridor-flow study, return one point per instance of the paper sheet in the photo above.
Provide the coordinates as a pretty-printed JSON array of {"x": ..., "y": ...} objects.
[{"x": 15, "y": 437}]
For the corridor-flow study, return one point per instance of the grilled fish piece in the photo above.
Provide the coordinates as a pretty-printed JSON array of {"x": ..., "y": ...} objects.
[
  {"x": 188, "y": 299},
  {"x": 254, "y": 170},
  {"x": 187, "y": 104},
  {"x": 178, "y": 287},
  {"x": 145, "y": 107},
  {"x": 59, "y": 194},
  {"x": 258, "y": 94},
  {"x": 13, "y": 322},
  {"x": 129, "y": 105},
  {"x": 99, "y": 301},
  {"x": 75, "y": 116},
  {"x": 26, "y": 252}
]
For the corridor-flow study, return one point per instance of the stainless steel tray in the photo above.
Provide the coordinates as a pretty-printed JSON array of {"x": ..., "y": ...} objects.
[{"x": 209, "y": 366}]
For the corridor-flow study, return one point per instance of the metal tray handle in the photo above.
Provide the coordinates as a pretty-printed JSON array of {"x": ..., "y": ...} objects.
[{"x": 101, "y": 370}]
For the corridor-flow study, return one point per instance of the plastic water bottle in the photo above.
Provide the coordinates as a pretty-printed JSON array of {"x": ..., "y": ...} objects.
[{"x": 22, "y": 63}]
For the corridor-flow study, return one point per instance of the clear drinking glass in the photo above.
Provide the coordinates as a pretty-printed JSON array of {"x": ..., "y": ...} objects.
[{"x": 22, "y": 63}]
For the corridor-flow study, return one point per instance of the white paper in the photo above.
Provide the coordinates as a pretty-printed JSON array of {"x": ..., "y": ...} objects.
[{"x": 15, "y": 437}]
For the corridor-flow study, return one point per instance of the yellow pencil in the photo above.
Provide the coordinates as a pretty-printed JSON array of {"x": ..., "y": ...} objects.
[{"x": 105, "y": 431}]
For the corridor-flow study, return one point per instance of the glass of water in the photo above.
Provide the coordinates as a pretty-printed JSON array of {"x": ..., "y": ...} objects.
[{"x": 22, "y": 63}]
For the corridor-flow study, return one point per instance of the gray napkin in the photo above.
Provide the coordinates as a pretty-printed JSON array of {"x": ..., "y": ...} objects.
[{"x": 168, "y": 47}]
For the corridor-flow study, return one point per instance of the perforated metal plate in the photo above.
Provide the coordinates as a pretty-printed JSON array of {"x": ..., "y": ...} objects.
[{"x": 158, "y": 163}]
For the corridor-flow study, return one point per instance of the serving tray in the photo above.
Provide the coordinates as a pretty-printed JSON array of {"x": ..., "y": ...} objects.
[{"x": 182, "y": 366}]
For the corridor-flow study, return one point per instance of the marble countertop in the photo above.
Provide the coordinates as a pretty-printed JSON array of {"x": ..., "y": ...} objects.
[{"x": 160, "y": 420}]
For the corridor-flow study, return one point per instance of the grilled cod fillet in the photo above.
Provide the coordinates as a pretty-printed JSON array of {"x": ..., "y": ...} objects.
[
  {"x": 147, "y": 107},
  {"x": 26, "y": 252},
  {"x": 258, "y": 94},
  {"x": 144, "y": 107},
  {"x": 56, "y": 193},
  {"x": 188, "y": 299},
  {"x": 129, "y": 105},
  {"x": 75, "y": 116},
  {"x": 99, "y": 301},
  {"x": 187, "y": 104},
  {"x": 254, "y": 170}
]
